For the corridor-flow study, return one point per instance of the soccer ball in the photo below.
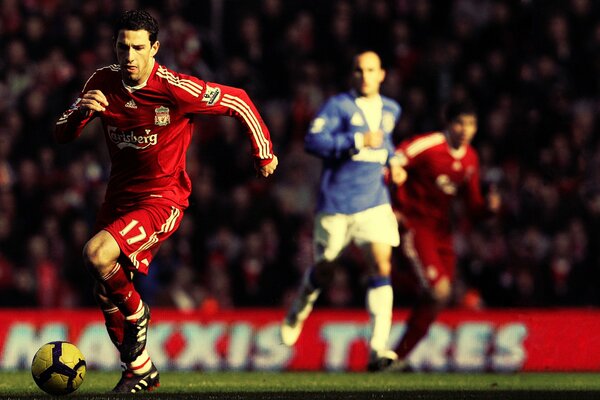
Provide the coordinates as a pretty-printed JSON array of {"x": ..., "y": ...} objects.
[{"x": 58, "y": 368}]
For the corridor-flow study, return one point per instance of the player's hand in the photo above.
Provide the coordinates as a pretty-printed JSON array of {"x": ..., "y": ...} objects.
[
  {"x": 398, "y": 174},
  {"x": 373, "y": 139},
  {"x": 93, "y": 101},
  {"x": 268, "y": 169},
  {"x": 494, "y": 200}
]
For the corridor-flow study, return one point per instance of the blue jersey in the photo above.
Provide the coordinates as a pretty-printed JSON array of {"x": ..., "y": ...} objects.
[{"x": 352, "y": 179}]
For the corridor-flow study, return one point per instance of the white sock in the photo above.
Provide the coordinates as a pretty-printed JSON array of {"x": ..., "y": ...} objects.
[
  {"x": 380, "y": 301},
  {"x": 140, "y": 365}
]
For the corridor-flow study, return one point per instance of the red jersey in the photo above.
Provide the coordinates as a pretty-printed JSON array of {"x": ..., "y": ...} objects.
[
  {"x": 148, "y": 130},
  {"x": 436, "y": 175}
]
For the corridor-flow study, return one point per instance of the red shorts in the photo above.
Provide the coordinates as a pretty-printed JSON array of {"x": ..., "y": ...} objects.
[
  {"x": 140, "y": 230},
  {"x": 430, "y": 254}
]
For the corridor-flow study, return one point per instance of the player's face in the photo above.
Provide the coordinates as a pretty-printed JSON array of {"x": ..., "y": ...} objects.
[
  {"x": 462, "y": 130},
  {"x": 135, "y": 54},
  {"x": 367, "y": 74}
]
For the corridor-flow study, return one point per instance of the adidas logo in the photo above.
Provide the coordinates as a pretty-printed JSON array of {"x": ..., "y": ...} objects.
[{"x": 131, "y": 104}]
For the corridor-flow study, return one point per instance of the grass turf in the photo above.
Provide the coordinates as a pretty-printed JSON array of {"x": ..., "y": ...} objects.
[{"x": 315, "y": 385}]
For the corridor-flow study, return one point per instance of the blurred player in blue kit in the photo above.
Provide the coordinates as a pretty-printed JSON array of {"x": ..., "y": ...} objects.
[{"x": 352, "y": 134}]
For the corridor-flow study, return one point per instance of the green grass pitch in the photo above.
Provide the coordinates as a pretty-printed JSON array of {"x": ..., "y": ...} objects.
[{"x": 319, "y": 385}]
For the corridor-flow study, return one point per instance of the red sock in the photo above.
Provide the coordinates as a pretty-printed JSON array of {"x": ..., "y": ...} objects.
[
  {"x": 421, "y": 318},
  {"x": 120, "y": 290},
  {"x": 114, "y": 320}
]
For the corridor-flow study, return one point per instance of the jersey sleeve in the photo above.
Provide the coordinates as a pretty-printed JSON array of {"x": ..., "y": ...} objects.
[
  {"x": 195, "y": 96},
  {"x": 475, "y": 201},
  {"x": 71, "y": 123},
  {"x": 410, "y": 151},
  {"x": 326, "y": 137}
]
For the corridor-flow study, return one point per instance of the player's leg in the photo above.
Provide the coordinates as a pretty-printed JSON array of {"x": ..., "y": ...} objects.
[
  {"x": 301, "y": 307},
  {"x": 102, "y": 256},
  {"x": 117, "y": 324},
  {"x": 379, "y": 301},
  {"x": 376, "y": 233},
  {"x": 113, "y": 318},
  {"x": 423, "y": 249},
  {"x": 330, "y": 238},
  {"x": 145, "y": 375},
  {"x": 138, "y": 235},
  {"x": 422, "y": 315}
]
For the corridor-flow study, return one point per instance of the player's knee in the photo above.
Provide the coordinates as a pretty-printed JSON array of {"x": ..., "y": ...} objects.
[{"x": 97, "y": 258}]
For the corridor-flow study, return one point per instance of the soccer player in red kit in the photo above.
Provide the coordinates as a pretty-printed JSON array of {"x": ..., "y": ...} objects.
[
  {"x": 430, "y": 171},
  {"x": 146, "y": 112}
]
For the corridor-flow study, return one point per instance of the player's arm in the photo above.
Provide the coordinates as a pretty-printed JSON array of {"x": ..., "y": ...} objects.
[
  {"x": 327, "y": 137},
  {"x": 269, "y": 168},
  {"x": 195, "y": 96},
  {"x": 493, "y": 199},
  {"x": 394, "y": 165},
  {"x": 478, "y": 205},
  {"x": 398, "y": 175},
  {"x": 399, "y": 162},
  {"x": 85, "y": 108},
  {"x": 396, "y": 111}
]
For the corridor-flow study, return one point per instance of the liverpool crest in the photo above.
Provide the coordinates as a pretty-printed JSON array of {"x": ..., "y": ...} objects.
[{"x": 162, "y": 117}]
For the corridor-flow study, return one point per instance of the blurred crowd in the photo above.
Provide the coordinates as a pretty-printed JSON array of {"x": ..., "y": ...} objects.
[{"x": 532, "y": 67}]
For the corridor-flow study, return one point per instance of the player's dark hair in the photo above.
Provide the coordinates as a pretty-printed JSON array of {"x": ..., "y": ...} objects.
[
  {"x": 137, "y": 20},
  {"x": 456, "y": 108}
]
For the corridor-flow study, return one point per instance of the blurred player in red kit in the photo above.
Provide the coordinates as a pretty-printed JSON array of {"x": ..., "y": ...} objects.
[
  {"x": 146, "y": 111},
  {"x": 430, "y": 171}
]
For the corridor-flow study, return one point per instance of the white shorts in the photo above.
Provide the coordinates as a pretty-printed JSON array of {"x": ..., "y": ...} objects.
[{"x": 333, "y": 232}]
